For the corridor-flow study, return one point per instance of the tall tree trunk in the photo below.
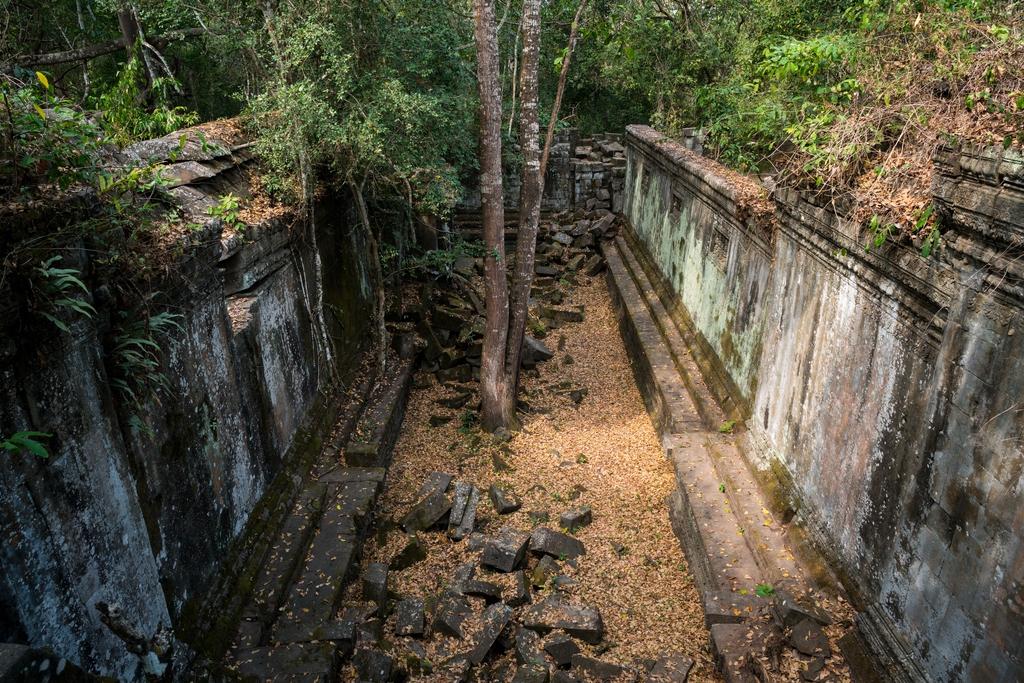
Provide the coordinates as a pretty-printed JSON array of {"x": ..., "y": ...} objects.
[
  {"x": 493, "y": 381},
  {"x": 529, "y": 202},
  {"x": 561, "y": 87},
  {"x": 377, "y": 278}
]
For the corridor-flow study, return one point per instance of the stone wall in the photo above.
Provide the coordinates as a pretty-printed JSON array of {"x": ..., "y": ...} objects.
[
  {"x": 114, "y": 514},
  {"x": 882, "y": 390},
  {"x": 584, "y": 173}
]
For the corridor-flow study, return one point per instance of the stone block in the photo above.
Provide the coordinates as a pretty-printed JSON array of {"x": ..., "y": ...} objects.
[
  {"x": 579, "y": 622},
  {"x": 531, "y": 674},
  {"x": 528, "y": 648},
  {"x": 521, "y": 591},
  {"x": 561, "y": 648},
  {"x": 452, "y": 611},
  {"x": 790, "y": 610},
  {"x": 413, "y": 552},
  {"x": 459, "y": 374},
  {"x": 671, "y": 667},
  {"x": 504, "y": 502},
  {"x": 465, "y": 527},
  {"x": 451, "y": 319},
  {"x": 545, "y": 541},
  {"x": 597, "y": 670},
  {"x": 807, "y": 637},
  {"x": 409, "y": 617},
  {"x": 492, "y": 622},
  {"x": 576, "y": 519},
  {"x": 427, "y": 512},
  {"x": 506, "y": 550},
  {"x": 375, "y": 584},
  {"x": 297, "y": 663},
  {"x": 372, "y": 665}
]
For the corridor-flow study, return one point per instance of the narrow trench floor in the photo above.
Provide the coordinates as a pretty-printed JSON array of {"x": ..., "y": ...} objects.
[{"x": 602, "y": 453}]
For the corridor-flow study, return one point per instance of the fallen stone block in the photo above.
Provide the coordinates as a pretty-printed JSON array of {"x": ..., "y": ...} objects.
[
  {"x": 456, "y": 402},
  {"x": 576, "y": 519},
  {"x": 504, "y": 502},
  {"x": 575, "y": 262},
  {"x": 478, "y": 541},
  {"x": 460, "y": 497},
  {"x": 464, "y": 573},
  {"x": 579, "y": 622},
  {"x": 506, "y": 550},
  {"x": 301, "y": 663},
  {"x": 452, "y": 611},
  {"x": 807, "y": 637},
  {"x": 563, "y": 677},
  {"x": 562, "y": 238},
  {"x": 539, "y": 350},
  {"x": 455, "y": 669},
  {"x": 561, "y": 648},
  {"x": 790, "y": 610},
  {"x": 543, "y": 571},
  {"x": 565, "y": 315},
  {"x": 465, "y": 527},
  {"x": 539, "y": 516},
  {"x": 372, "y": 665},
  {"x": 813, "y": 670},
  {"x": 409, "y": 617},
  {"x": 450, "y": 319},
  {"x": 521, "y": 594},
  {"x": 545, "y": 541},
  {"x": 490, "y": 592},
  {"x": 594, "y": 265},
  {"x": 459, "y": 374},
  {"x": 671, "y": 667},
  {"x": 528, "y": 648},
  {"x": 546, "y": 271},
  {"x": 427, "y": 512},
  {"x": 493, "y": 621},
  {"x": 375, "y": 584},
  {"x": 413, "y": 552},
  {"x": 531, "y": 674},
  {"x": 597, "y": 670}
]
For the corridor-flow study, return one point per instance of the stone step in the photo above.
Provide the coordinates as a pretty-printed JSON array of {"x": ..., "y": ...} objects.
[
  {"x": 385, "y": 413},
  {"x": 297, "y": 663},
  {"x": 337, "y": 544}
]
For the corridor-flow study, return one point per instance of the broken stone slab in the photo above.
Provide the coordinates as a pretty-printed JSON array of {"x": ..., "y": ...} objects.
[
  {"x": 372, "y": 665},
  {"x": 504, "y": 502},
  {"x": 595, "y": 669},
  {"x": 671, "y": 667},
  {"x": 576, "y": 519},
  {"x": 790, "y": 610},
  {"x": 435, "y": 481},
  {"x": 440, "y": 420},
  {"x": 455, "y": 669},
  {"x": 413, "y": 552},
  {"x": 734, "y": 645},
  {"x": 807, "y": 637},
  {"x": 584, "y": 241},
  {"x": 490, "y": 592},
  {"x": 451, "y": 357},
  {"x": 434, "y": 348},
  {"x": 410, "y": 617},
  {"x": 375, "y": 584},
  {"x": 451, "y": 613},
  {"x": 562, "y": 238},
  {"x": 455, "y": 402},
  {"x": 465, "y": 527},
  {"x": 576, "y": 395},
  {"x": 531, "y": 674},
  {"x": 545, "y": 541},
  {"x": 464, "y": 573},
  {"x": 562, "y": 581},
  {"x": 450, "y": 319},
  {"x": 538, "y": 349},
  {"x": 499, "y": 463},
  {"x": 460, "y": 497},
  {"x": 528, "y": 648},
  {"x": 458, "y": 374},
  {"x": 813, "y": 670},
  {"x": 493, "y": 621},
  {"x": 546, "y": 271},
  {"x": 579, "y": 622},
  {"x": 563, "y": 677},
  {"x": 565, "y": 315},
  {"x": 575, "y": 262},
  {"x": 561, "y": 648},
  {"x": 521, "y": 594},
  {"x": 505, "y": 551},
  {"x": 594, "y": 265},
  {"x": 479, "y": 541},
  {"x": 602, "y": 225},
  {"x": 427, "y": 512},
  {"x": 300, "y": 662}
]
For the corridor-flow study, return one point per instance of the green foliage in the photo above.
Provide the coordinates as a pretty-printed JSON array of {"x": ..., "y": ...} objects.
[
  {"x": 227, "y": 210},
  {"x": 126, "y": 121},
  {"x": 26, "y": 441},
  {"x": 137, "y": 359},
  {"x": 60, "y": 285},
  {"x": 726, "y": 427},
  {"x": 764, "y": 590}
]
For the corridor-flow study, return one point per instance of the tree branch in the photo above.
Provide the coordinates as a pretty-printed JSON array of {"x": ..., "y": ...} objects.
[{"x": 93, "y": 51}]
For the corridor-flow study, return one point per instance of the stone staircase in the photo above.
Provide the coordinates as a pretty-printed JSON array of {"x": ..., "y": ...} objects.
[
  {"x": 288, "y": 630},
  {"x": 735, "y": 547}
]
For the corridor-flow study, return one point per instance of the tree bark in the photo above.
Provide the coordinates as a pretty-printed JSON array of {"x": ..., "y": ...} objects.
[
  {"x": 530, "y": 195},
  {"x": 493, "y": 384},
  {"x": 377, "y": 276},
  {"x": 561, "y": 87}
]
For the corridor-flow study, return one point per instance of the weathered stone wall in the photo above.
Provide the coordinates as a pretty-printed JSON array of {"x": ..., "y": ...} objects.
[
  {"x": 883, "y": 390},
  {"x": 581, "y": 174},
  {"x": 116, "y": 515}
]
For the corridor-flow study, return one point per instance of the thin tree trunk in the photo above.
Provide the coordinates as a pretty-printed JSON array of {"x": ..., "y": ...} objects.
[
  {"x": 561, "y": 87},
  {"x": 377, "y": 276},
  {"x": 529, "y": 201},
  {"x": 493, "y": 384}
]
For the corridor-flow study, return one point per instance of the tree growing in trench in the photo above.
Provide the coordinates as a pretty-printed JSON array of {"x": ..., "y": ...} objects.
[{"x": 507, "y": 316}]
